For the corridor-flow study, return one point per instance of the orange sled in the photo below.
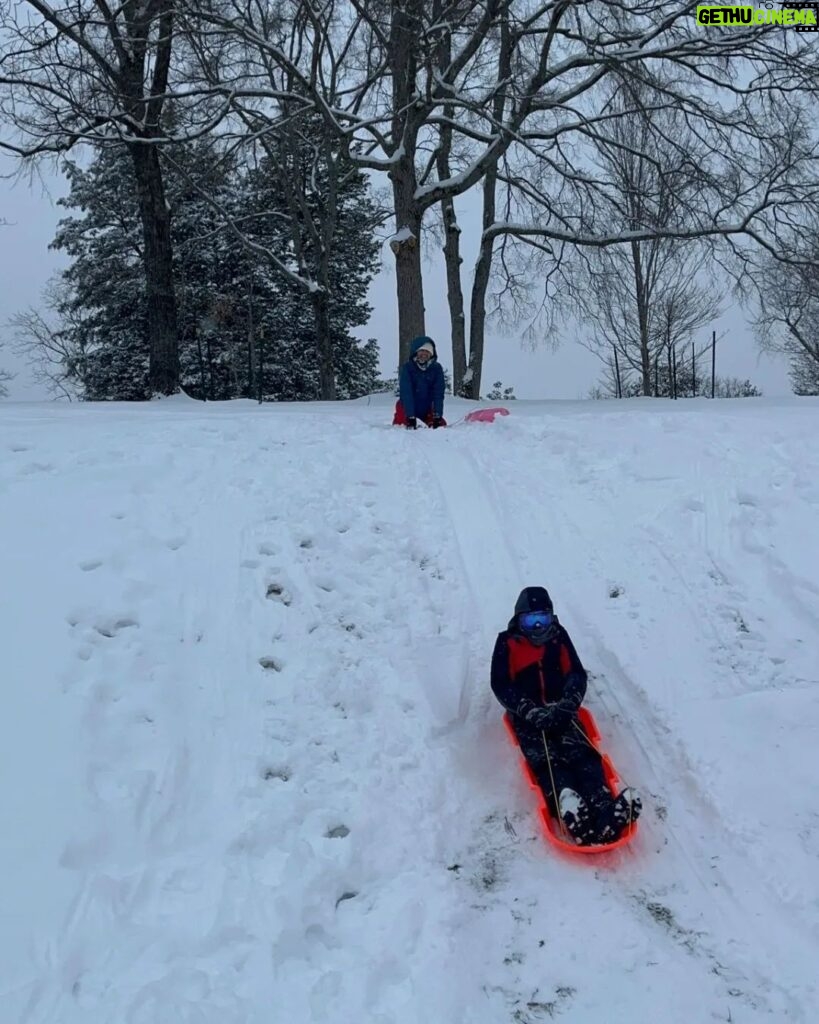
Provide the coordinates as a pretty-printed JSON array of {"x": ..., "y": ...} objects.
[{"x": 555, "y": 833}]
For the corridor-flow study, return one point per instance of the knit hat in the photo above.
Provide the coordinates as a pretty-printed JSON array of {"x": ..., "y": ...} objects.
[{"x": 426, "y": 347}]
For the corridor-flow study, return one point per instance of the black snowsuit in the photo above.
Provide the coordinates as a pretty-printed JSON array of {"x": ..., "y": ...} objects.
[{"x": 526, "y": 675}]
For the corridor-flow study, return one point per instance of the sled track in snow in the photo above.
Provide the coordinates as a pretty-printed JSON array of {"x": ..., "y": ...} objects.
[
  {"x": 712, "y": 858},
  {"x": 706, "y": 859},
  {"x": 488, "y": 562},
  {"x": 494, "y": 576}
]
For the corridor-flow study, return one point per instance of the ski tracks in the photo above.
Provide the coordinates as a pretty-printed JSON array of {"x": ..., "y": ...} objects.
[
  {"x": 523, "y": 896},
  {"x": 702, "y": 890}
]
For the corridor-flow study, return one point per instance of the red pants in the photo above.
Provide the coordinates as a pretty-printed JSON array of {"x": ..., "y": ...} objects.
[{"x": 400, "y": 417}]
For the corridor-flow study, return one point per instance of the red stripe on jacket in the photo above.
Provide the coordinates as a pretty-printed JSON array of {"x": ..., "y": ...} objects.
[{"x": 522, "y": 654}]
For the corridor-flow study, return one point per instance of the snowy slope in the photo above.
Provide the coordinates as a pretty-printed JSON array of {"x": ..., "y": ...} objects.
[{"x": 251, "y": 771}]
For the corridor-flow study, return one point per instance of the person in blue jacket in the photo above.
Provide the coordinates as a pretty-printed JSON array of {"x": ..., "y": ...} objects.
[{"x": 421, "y": 387}]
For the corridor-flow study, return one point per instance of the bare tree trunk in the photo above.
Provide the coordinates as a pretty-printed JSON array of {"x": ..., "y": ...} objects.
[
  {"x": 483, "y": 267},
  {"x": 480, "y": 285},
  {"x": 454, "y": 293},
  {"x": 713, "y": 363},
  {"x": 670, "y": 372},
  {"x": 674, "y": 368},
  {"x": 642, "y": 315},
  {"x": 617, "y": 374},
  {"x": 163, "y": 338},
  {"x": 406, "y": 246},
  {"x": 324, "y": 344},
  {"x": 405, "y": 19},
  {"x": 452, "y": 233},
  {"x": 201, "y": 359},
  {"x": 251, "y": 341},
  {"x": 260, "y": 370},
  {"x": 209, "y": 347}
]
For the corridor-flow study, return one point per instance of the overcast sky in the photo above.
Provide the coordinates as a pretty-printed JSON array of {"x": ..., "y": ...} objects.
[{"x": 27, "y": 264}]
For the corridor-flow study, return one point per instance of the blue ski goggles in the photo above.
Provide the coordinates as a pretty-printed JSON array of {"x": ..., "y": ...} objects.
[{"x": 533, "y": 621}]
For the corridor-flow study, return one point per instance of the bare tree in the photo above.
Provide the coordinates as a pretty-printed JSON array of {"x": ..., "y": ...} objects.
[
  {"x": 416, "y": 89},
  {"x": 644, "y": 303},
  {"x": 804, "y": 374},
  {"x": 53, "y": 356},
  {"x": 613, "y": 180},
  {"x": 788, "y": 320},
  {"x": 387, "y": 78},
  {"x": 87, "y": 72},
  {"x": 452, "y": 231}
]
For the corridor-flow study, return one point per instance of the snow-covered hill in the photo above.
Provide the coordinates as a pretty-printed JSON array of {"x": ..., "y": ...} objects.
[{"x": 251, "y": 771}]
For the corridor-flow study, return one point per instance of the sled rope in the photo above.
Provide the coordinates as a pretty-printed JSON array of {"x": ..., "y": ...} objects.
[
  {"x": 555, "y": 794},
  {"x": 589, "y": 743}
]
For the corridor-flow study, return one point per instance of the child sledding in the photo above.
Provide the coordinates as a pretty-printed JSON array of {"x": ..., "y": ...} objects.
[{"x": 538, "y": 677}]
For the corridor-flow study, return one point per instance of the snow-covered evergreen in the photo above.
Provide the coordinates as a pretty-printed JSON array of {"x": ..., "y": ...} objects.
[{"x": 245, "y": 331}]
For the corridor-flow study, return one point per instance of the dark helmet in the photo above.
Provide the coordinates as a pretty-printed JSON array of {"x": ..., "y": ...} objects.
[
  {"x": 534, "y": 615},
  {"x": 534, "y": 599}
]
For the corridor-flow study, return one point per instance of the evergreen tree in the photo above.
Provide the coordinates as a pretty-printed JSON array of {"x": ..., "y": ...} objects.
[
  {"x": 103, "y": 304},
  {"x": 244, "y": 329},
  {"x": 291, "y": 352}
]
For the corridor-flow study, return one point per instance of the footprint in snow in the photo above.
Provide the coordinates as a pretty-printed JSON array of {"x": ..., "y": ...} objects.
[
  {"x": 278, "y": 592},
  {"x": 90, "y": 565},
  {"x": 109, "y": 628},
  {"x": 692, "y": 505}
]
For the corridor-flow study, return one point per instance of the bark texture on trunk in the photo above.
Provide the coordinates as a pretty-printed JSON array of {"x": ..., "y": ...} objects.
[
  {"x": 158, "y": 265},
  {"x": 324, "y": 345}
]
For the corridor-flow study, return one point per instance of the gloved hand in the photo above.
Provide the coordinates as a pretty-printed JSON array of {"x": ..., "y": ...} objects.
[
  {"x": 565, "y": 712},
  {"x": 547, "y": 719},
  {"x": 412, "y": 423},
  {"x": 541, "y": 718},
  {"x": 438, "y": 421}
]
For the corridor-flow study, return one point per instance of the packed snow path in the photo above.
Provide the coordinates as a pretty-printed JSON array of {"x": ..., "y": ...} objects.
[{"x": 252, "y": 772}]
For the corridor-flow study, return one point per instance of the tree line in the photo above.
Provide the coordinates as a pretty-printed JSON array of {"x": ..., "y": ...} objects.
[{"x": 623, "y": 155}]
